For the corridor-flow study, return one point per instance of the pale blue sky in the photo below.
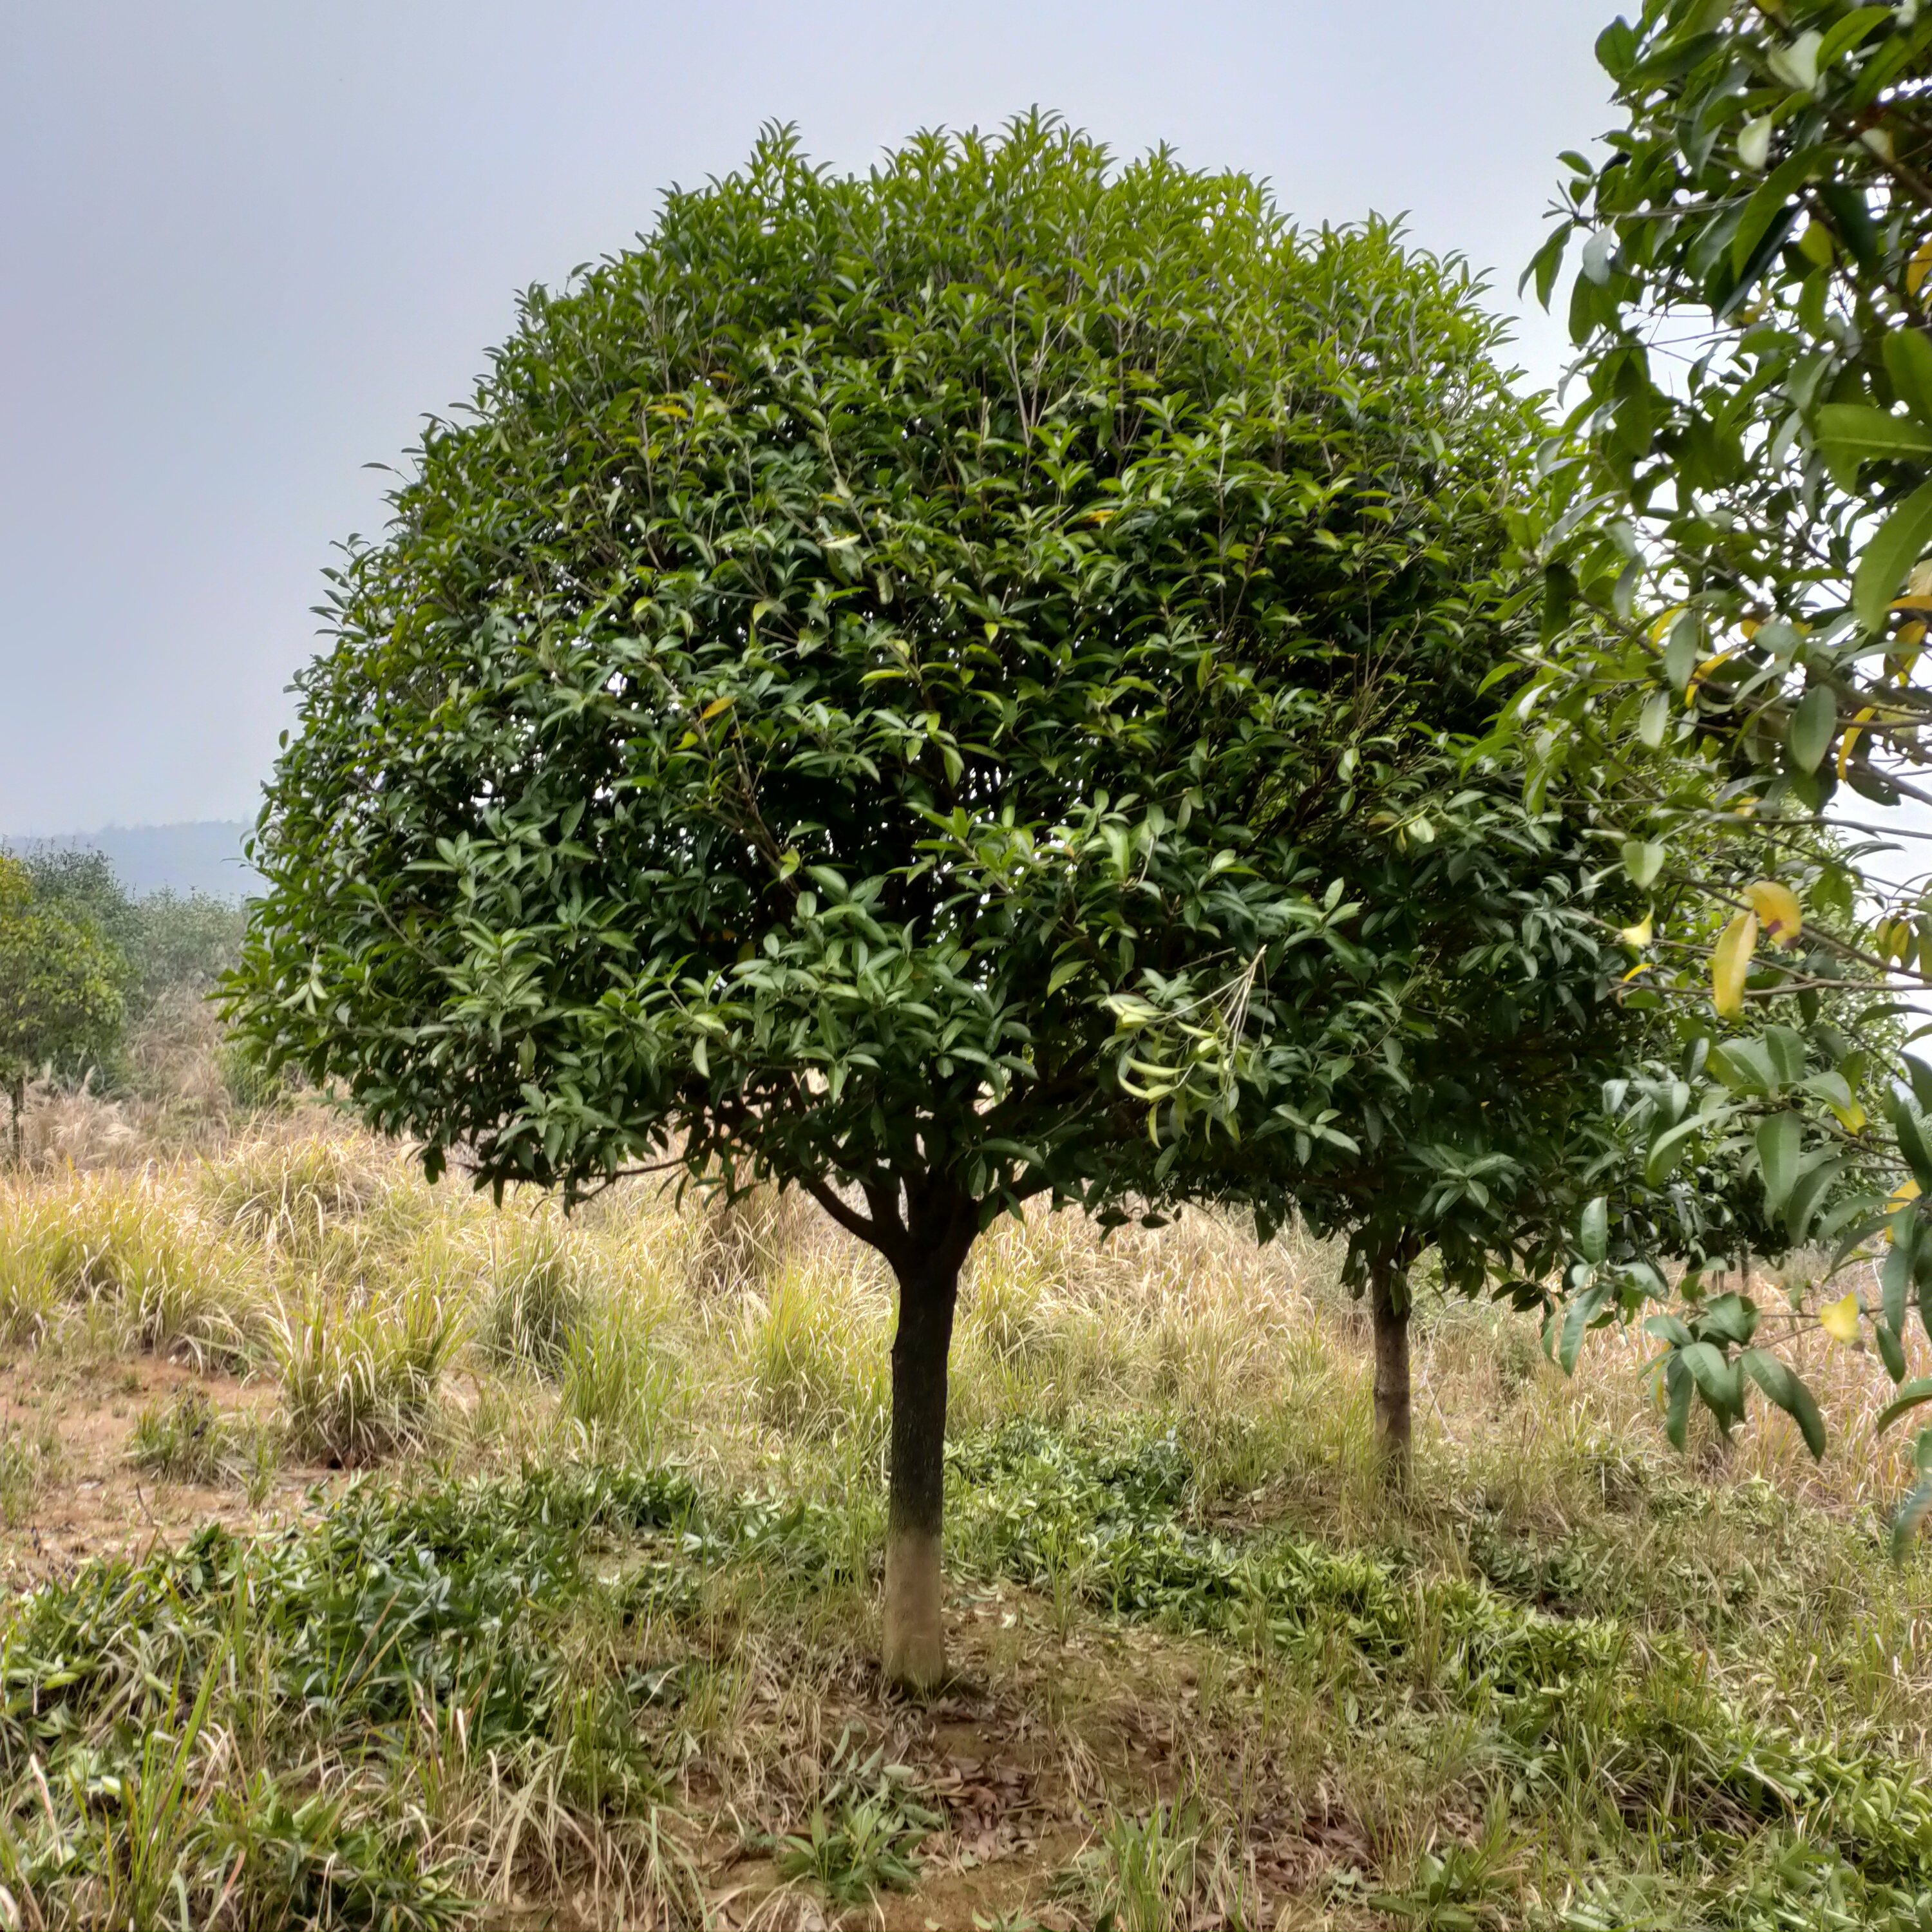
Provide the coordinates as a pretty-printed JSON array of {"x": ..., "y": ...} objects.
[{"x": 248, "y": 243}]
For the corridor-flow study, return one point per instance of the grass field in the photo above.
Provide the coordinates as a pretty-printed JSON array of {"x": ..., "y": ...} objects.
[{"x": 376, "y": 1557}]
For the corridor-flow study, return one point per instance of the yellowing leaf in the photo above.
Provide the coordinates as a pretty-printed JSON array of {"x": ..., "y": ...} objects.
[
  {"x": 1917, "y": 268},
  {"x": 1851, "y": 1118},
  {"x": 1839, "y": 1319},
  {"x": 1730, "y": 962},
  {"x": 716, "y": 705},
  {"x": 1704, "y": 669},
  {"x": 1851, "y": 737},
  {"x": 1639, "y": 934},
  {"x": 1777, "y": 909},
  {"x": 1815, "y": 245},
  {"x": 1663, "y": 623},
  {"x": 1906, "y": 1191}
]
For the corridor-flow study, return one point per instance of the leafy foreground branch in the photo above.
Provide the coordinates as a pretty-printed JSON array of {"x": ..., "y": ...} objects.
[{"x": 424, "y": 1700}]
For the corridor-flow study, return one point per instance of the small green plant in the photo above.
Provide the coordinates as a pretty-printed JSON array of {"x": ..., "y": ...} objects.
[
  {"x": 863, "y": 1834},
  {"x": 606, "y": 1766},
  {"x": 1143, "y": 1872},
  {"x": 141, "y": 1865},
  {"x": 187, "y": 1439},
  {"x": 27, "y": 1464},
  {"x": 1455, "y": 1887}
]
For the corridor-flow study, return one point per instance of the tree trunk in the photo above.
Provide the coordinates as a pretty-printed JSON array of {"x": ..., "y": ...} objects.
[
  {"x": 940, "y": 1231},
  {"x": 1388, "y": 1296}
]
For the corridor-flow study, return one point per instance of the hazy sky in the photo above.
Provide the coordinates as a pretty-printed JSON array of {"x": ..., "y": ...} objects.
[{"x": 244, "y": 246}]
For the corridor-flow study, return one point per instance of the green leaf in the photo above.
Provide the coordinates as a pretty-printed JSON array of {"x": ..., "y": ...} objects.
[
  {"x": 1911, "y": 1395},
  {"x": 1545, "y": 265},
  {"x": 1908, "y": 361},
  {"x": 1848, "y": 32},
  {"x": 1679, "y": 1389},
  {"x": 1891, "y": 1351},
  {"x": 1654, "y": 719},
  {"x": 1594, "y": 1235},
  {"x": 1895, "y": 1282},
  {"x": 1910, "y": 1128},
  {"x": 1576, "y": 1318},
  {"x": 1920, "y": 1075},
  {"x": 1669, "y": 1148},
  {"x": 1814, "y": 723},
  {"x": 1811, "y": 1189},
  {"x": 1856, "y": 432},
  {"x": 1616, "y": 49},
  {"x": 1787, "y": 1389},
  {"x": 1779, "y": 1139},
  {"x": 1771, "y": 200},
  {"x": 1717, "y": 1380},
  {"x": 1912, "y": 1511},
  {"x": 1643, "y": 860},
  {"x": 1681, "y": 653},
  {"x": 1899, "y": 542}
]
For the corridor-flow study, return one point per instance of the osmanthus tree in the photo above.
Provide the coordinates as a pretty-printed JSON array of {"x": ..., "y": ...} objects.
[
  {"x": 941, "y": 689},
  {"x": 1503, "y": 1162},
  {"x": 1746, "y": 507},
  {"x": 60, "y": 988}
]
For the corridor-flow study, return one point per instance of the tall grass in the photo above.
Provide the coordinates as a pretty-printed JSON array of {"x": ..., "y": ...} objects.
[
  {"x": 815, "y": 1342},
  {"x": 123, "y": 1258},
  {"x": 359, "y": 1378}
]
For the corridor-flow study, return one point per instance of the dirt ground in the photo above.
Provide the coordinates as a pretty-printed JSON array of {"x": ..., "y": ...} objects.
[{"x": 87, "y": 1499}]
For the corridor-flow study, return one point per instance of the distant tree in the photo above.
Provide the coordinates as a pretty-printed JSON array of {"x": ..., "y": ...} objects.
[
  {"x": 182, "y": 942},
  {"x": 169, "y": 940},
  {"x": 60, "y": 992},
  {"x": 940, "y": 689}
]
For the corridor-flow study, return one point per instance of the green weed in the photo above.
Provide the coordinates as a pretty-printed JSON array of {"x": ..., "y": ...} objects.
[
  {"x": 863, "y": 1835},
  {"x": 188, "y": 1440}
]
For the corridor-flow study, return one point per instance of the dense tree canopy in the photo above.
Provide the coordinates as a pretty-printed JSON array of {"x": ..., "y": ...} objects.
[
  {"x": 1744, "y": 506},
  {"x": 949, "y": 687},
  {"x": 60, "y": 986}
]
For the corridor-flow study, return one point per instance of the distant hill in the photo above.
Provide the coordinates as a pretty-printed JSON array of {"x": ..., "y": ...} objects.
[{"x": 205, "y": 857}]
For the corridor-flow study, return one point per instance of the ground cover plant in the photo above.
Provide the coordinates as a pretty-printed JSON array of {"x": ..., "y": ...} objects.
[{"x": 590, "y": 1639}]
